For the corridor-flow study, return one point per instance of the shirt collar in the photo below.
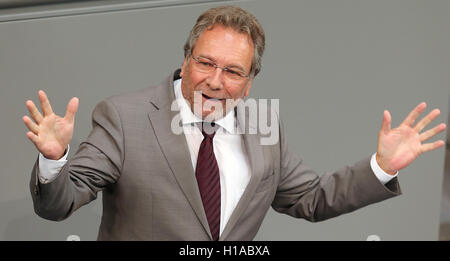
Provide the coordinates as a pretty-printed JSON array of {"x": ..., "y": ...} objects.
[{"x": 187, "y": 117}]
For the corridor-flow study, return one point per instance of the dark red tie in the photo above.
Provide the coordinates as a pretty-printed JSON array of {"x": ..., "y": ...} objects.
[{"x": 208, "y": 180}]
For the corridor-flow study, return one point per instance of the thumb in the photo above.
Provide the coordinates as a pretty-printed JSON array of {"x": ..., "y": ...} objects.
[
  {"x": 72, "y": 108},
  {"x": 386, "y": 125}
]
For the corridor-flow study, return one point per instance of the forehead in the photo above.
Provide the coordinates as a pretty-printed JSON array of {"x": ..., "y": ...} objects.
[{"x": 225, "y": 46}]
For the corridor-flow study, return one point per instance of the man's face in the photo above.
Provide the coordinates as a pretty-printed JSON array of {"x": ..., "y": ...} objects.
[{"x": 226, "y": 48}]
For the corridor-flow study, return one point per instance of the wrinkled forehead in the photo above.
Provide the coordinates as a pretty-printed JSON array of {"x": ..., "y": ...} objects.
[{"x": 225, "y": 46}]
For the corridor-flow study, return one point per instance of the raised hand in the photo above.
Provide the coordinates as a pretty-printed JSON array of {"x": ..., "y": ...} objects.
[
  {"x": 398, "y": 147},
  {"x": 50, "y": 133}
]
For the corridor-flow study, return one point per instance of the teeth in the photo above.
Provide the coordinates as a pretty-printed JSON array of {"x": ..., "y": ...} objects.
[{"x": 210, "y": 98}]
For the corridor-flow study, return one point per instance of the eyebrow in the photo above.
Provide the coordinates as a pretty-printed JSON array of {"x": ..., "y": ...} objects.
[{"x": 227, "y": 66}]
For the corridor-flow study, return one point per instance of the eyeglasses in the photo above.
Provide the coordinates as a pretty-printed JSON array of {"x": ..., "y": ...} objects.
[{"x": 205, "y": 65}]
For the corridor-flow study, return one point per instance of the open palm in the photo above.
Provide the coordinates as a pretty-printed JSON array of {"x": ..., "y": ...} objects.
[
  {"x": 399, "y": 147},
  {"x": 49, "y": 132}
]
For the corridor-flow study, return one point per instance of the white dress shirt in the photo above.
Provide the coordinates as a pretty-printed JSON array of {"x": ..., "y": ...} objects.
[{"x": 231, "y": 156}]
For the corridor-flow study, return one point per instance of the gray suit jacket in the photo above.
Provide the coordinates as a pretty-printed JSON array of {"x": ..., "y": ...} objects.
[{"x": 149, "y": 186}]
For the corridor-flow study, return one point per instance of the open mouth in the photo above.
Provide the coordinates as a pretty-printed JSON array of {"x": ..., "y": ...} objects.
[{"x": 211, "y": 98}]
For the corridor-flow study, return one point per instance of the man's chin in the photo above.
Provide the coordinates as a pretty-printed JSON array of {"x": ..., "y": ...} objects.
[
  {"x": 211, "y": 116},
  {"x": 213, "y": 111}
]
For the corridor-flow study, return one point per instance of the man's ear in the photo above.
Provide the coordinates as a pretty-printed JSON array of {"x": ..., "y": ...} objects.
[
  {"x": 183, "y": 67},
  {"x": 249, "y": 86}
]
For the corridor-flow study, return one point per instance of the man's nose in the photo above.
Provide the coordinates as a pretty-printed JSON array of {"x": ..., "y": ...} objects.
[{"x": 215, "y": 79}]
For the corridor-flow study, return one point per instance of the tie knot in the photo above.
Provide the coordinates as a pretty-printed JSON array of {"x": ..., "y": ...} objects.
[
  {"x": 208, "y": 135},
  {"x": 209, "y": 129}
]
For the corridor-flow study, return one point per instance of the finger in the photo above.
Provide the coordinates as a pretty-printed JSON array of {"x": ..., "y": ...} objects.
[
  {"x": 414, "y": 114},
  {"x": 34, "y": 112},
  {"x": 45, "y": 103},
  {"x": 432, "y": 146},
  {"x": 33, "y": 138},
  {"x": 386, "y": 125},
  {"x": 72, "y": 108},
  {"x": 430, "y": 133},
  {"x": 426, "y": 120},
  {"x": 31, "y": 125}
]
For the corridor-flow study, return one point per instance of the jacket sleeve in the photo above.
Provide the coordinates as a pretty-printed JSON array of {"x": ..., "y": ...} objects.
[
  {"x": 96, "y": 164},
  {"x": 302, "y": 193}
]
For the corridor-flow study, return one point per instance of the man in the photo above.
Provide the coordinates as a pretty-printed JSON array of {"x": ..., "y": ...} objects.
[{"x": 210, "y": 182}]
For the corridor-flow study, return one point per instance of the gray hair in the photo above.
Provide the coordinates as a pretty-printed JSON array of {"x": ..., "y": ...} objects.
[{"x": 233, "y": 17}]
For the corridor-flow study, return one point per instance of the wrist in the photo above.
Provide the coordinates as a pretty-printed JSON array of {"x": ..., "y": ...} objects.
[
  {"x": 57, "y": 157},
  {"x": 384, "y": 166}
]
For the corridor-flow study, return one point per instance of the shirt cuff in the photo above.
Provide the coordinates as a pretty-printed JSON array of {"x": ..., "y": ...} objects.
[
  {"x": 379, "y": 172},
  {"x": 49, "y": 169}
]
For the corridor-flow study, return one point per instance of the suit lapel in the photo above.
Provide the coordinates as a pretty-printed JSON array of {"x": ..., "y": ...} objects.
[
  {"x": 175, "y": 148},
  {"x": 255, "y": 155}
]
